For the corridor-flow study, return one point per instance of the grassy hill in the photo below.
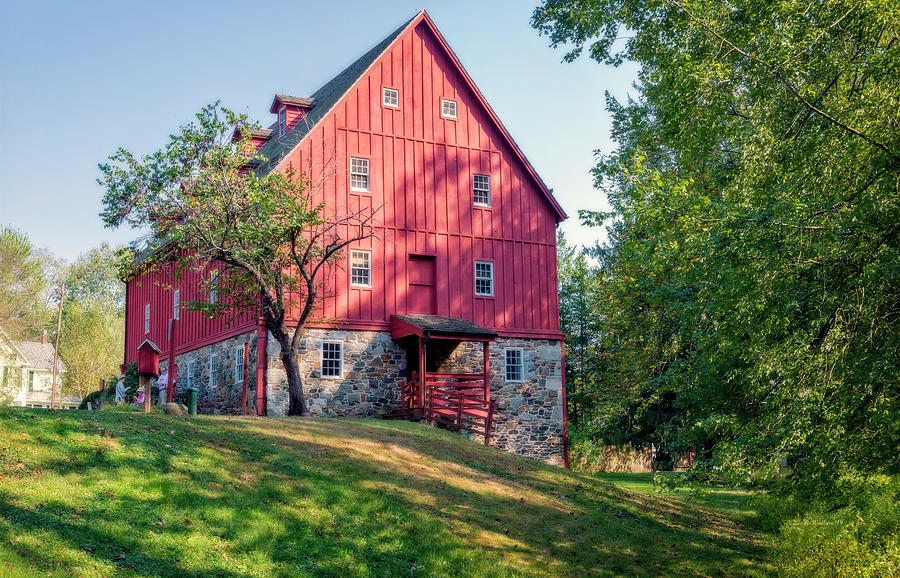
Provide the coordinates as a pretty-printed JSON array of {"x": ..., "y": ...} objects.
[{"x": 121, "y": 493}]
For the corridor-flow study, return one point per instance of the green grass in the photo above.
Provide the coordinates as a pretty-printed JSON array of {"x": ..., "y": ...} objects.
[{"x": 122, "y": 493}]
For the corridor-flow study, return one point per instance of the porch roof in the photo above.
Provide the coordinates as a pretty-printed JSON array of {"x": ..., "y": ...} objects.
[{"x": 439, "y": 328}]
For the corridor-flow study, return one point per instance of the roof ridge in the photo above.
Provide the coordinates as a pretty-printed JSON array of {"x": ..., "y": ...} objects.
[{"x": 326, "y": 98}]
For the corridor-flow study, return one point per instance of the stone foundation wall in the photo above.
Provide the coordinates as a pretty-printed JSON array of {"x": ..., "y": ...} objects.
[
  {"x": 529, "y": 417},
  {"x": 529, "y": 413},
  {"x": 374, "y": 371},
  {"x": 224, "y": 397}
]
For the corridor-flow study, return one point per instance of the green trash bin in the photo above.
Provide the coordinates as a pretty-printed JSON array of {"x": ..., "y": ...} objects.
[{"x": 192, "y": 400}]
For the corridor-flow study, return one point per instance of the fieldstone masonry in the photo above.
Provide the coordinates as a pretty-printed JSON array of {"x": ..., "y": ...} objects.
[
  {"x": 529, "y": 417},
  {"x": 224, "y": 397},
  {"x": 374, "y": 370},
  {"x": 529, "y": 413}
]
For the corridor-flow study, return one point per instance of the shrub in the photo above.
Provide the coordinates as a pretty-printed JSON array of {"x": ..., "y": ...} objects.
[{"x": 854, "y": 533}]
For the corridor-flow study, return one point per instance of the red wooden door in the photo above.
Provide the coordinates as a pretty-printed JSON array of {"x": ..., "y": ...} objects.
[{"x": 422, "y": 294}]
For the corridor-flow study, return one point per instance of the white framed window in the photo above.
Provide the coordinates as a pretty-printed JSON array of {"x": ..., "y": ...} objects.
[
  {"x": 361, "y": 268},
  {"x": 213, "y": 371},
  {"x": 359, "y": 174},
  {"x": 390, "y": 97},
  {"x": 213, "y": 287},
  {"x": 190, "y": 368},
  {"x": 176, "y": 304},
  {"x": 239, "y": 364},
  {"x": 481, "y": 190},
  {"x": 484, "y": 278},
  {"x": 147, "y": 318},
  {"x": 515, "y": 366},
  {"x": 448, "y": 108},
  {"x": 282, "y": 121},
  {"x": 332, "y": 359}
]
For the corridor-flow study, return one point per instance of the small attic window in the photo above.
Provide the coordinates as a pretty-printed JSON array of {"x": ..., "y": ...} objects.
[
  {"x": 359, "y": 174},
  {"x": 390, "y": 97},
  {"x": 448, "y": 108},
  {"x": 282, "y": 121}
]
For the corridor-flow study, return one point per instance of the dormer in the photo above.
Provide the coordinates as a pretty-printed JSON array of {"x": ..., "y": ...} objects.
[
  {"x": 257, "y": 136},
  {"x": 290, "y": 110}
]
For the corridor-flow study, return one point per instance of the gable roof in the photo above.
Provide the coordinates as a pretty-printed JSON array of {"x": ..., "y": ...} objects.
[
  {"x": 327, "y": 97},
  {"x": 152, "y": 345},
  {"x": 294, "y": 100},
  {"x": 39, "y": 355},
  {"x": 13, "y": 345}
]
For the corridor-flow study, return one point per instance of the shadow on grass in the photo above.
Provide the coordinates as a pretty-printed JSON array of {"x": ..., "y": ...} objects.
[{"x": 232, "y": 496}]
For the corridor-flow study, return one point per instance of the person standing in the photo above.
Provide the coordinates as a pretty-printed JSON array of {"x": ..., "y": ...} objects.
[
  {"x": 120, "y": 390},
  {"x": 161, "y": 383}
]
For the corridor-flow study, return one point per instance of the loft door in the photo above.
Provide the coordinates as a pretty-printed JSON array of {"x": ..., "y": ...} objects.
[{"x": 422, "y": 297}]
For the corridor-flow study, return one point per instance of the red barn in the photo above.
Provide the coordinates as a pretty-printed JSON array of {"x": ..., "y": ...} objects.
[{"x": 460, "y": 279}]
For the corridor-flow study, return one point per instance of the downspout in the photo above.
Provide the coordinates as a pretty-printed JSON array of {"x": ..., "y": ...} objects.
[
  {"x": 565, "y": 409},
  {"x": 262, "y": 361}
]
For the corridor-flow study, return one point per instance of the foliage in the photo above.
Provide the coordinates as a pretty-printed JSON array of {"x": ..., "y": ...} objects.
[
  {"x": 94, "y": 278},
  {"x": 122, "y": 492},
  {"x": 751, "y": 282},
  {"x": 578, "y": 321},
  {"x": 258, "y": 235},
  {"x": 93, "y": 324},
  {"x": 854, "y": 532},
  {"x": 132, "y": 382},
  {"x": 24, "y": 286}
]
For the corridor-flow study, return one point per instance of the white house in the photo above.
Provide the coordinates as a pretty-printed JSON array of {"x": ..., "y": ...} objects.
[{"x": 26, "y": 373}]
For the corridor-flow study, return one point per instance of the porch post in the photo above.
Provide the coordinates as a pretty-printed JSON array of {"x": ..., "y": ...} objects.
[
  {"x": 173, "y": 368},
  {"x": 487, "y": 371},
  {"x": 421, "y": 341},
  {"x": 262, "y": 361}
]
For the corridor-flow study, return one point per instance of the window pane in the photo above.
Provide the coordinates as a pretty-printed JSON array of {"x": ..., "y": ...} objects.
[
  {"x": 331, "y": 359},
  {"x": 391, "y": 97},
  {"x": 481, "y": 186},
  {"x": 213, "y": 372},
  {"x": 214, "y": 287},
  {"x": 484, "y": 278},
  {"x": 360, "y": 268},
  {"x": 359, "y": 174},
  {"x": 448, "y": 108},
  {"x": 239, "y": 364},
  {"x": 514, "y": 370}
]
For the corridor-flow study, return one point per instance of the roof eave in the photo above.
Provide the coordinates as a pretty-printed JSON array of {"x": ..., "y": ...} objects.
[{"x": 554, "y": 204}]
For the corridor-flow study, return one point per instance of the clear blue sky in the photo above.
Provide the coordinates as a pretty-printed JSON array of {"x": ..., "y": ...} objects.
[{"x": 79, "y": 79}]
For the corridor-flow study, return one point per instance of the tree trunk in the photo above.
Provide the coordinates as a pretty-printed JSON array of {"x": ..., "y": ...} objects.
[{"x": 296, "y": 399}]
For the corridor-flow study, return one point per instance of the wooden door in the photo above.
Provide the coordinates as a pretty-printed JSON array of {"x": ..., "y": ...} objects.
[{"x": 422, "y": 297}]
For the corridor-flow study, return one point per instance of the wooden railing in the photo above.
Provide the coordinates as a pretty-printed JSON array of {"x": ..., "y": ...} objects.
[
  {"x": 409, "y": 394},
  {"x": 458, "y": 401}
]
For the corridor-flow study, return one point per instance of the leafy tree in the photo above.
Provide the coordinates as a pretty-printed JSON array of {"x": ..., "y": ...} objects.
[
  {"x": 24, "y": 285},
  {"x": 204, "y": 205},
  {"x": 93, "y": 324},
  {"x": 579, "y": 321},
  {"x": 753, "y": 262},
  {"x": 94, "y": 277}
]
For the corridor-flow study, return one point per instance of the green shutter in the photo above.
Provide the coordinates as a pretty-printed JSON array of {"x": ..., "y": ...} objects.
[{"x": 30, "y": 381}]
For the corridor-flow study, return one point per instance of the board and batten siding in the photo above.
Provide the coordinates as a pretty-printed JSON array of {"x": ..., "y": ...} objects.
[
  {"x": 421, "y": 167},
  {"x": 195, "y": 330}
]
